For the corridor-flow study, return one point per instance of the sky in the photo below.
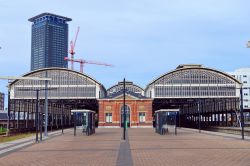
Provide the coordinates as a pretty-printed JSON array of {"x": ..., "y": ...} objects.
[{"x": 143, "y": 39}]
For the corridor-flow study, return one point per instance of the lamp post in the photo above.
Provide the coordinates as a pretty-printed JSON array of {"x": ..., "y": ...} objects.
[
  {"x": 46, "y": 107},
  {"x": 74, "y": 114},
  {"x": 199, "y": 116},
  {"x": 8, "y": 124},
  {"x": 9, "y": 78},
  {"x": 241, "y": 113},
  {"x": 37, "y": 106},
  {"x": 124, "y": 113},
  {"x": 175, "y": 129},
  {"x": 242, "y": 123},
  {"x": 62, "y": 111},
  {"x": 36, "y": 115},
  {"x": 36, "y": 120}
]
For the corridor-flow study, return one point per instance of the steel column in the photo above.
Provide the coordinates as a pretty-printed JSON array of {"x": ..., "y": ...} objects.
[
  {"x": 241, "y": 113},
  {"x": 36, "y": 119}
]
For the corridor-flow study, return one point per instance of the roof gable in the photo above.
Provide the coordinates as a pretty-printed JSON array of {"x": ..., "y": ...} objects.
[{"x": 128, "y": 95}]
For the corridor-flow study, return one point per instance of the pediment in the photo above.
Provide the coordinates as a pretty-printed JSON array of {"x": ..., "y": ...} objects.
[{"x": 127, "y": 97}]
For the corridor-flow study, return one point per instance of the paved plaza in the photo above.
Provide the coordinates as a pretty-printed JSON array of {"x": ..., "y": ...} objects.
[{"x": 144, "y": 147}]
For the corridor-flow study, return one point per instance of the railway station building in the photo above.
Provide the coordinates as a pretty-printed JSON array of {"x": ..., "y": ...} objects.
[
  {"x": 199, "y": 92},
  {"x": 138, "y": 108},
  {"x": 69, "y": 90}
]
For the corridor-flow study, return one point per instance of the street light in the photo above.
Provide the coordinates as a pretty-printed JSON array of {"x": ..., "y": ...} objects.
[
  {"x": 124, "y": 113},
  {"x": 199, "y": 116},
  {"x": 241, "y": 113},
  {"x": 37, "y": 106},
  {"x": 9, "y": 78},
  {"x": 242, "y": 124}
]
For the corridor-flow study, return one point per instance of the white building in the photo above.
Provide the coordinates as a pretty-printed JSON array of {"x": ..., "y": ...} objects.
[{"x": 243, "y": 75}]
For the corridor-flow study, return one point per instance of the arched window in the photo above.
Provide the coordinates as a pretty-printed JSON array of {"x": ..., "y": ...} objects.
[{"x": 127, "y": 109}]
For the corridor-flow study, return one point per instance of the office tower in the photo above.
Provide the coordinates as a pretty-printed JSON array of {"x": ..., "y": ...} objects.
[{"x": 49, "y": 43}]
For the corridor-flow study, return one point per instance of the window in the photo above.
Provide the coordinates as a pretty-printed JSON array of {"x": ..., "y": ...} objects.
[
  {"x": 244, "y": 76},
  {"x": 108, "y": 117},
  {"x": 245, "y": 94},
  {"x": 244, "y": 82},
  {"x": 142, "y": 117}
]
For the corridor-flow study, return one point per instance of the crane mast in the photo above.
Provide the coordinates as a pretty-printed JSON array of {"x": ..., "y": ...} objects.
[
  {"x": 72, "y": 48},
  {"x": 81, "y": 61}
]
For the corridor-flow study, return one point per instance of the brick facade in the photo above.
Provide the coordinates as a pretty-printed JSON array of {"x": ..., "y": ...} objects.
[{"x": 135, "y": 105}]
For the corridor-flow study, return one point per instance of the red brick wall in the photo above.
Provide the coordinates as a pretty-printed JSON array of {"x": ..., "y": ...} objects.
[{"x": 136, "y": 106}]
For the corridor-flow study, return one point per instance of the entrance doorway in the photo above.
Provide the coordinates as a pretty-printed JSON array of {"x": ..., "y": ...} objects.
[{"x": 127, "y": 111}]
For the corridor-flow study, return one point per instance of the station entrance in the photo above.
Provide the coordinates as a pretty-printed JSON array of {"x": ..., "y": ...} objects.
[
  {"x": 138, "y": 108},
  {"x": 127, "y": 112}
]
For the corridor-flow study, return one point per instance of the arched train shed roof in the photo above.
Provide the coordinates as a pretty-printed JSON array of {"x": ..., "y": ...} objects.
[
  {"x": 57, "y": 68},
  {"x": 193, "y": 81},
  {"x": 188, "y": 68},
  {"x": 129, "y": 86},
  {"x": 69, "y": 84}
]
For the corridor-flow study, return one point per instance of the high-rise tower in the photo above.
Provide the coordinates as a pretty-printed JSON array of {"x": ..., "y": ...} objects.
[{"x": 49, "y": 43}]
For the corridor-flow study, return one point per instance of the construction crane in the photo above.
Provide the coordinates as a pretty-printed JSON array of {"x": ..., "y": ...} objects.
[
  {"x": 72, "y": 48},
  {"x": 82, "y": 62}
]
